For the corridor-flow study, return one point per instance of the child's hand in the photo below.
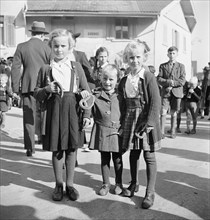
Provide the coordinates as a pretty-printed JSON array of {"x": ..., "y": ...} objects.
[
  {"x": 84, "y": 94},
  {"x": 191, "y": 90},
  {"x": 15, "y": 96},
  {"x": 53, "y": 87},
  {"x": 86, "y": 123}
]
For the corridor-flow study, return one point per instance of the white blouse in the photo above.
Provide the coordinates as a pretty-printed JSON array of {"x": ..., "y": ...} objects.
[
  {"x": 61, "y": 73},
  {"x": 131, "y": 85}
]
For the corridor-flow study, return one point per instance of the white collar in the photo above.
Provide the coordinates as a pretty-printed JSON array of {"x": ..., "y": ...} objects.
[{"x": 139, "y": 74}]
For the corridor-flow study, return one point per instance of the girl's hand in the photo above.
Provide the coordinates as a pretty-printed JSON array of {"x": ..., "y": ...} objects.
[
  {"x": 84, "y": 94},
  {"x": 191, "y": 90},
  {"x": 86, "y": 123},
  {"x": 52, "y": 87}
]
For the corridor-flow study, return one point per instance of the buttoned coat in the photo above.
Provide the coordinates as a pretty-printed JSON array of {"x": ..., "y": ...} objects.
[
  {"x": 177, "y": 74},
  {"x": 107, "y": 121},
  {"x": 32, "y": 55}
]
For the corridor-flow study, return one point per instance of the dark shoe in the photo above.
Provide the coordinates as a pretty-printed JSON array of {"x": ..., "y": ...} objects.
[
  {"x": 76, "y": 164},
  {"x": 178, "y": 130},
  {"x": 202, "y": 117},
  {"x": 129, "y": 192},
  {"x": 58, "y": 193},
  {"x": 148, "y": 200},
  {"x": 29, "y": 153},
  {"x": 193, "y": 131},
  {"x": 118, "y": 189},
  {"x": 72, "y": 193},
  {"x": 169, "y": 132},
  {"x": 104, "y": 189}
]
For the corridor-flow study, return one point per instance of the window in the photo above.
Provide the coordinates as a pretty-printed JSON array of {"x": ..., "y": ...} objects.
[
  {"x": 121, "y": 28},
  {"x": 175, "y": 38}
]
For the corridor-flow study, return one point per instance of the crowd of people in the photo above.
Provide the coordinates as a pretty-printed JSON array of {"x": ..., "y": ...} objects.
[{"x": 61, "y": 90}]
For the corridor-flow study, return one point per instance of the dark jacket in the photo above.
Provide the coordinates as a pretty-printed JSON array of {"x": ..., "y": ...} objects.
[
  {"x": 45, "y": 76},
  {"x": 32, "y": 55},
  {"x": 82, "y": 59},
  {"x": 177, "y": 75}
]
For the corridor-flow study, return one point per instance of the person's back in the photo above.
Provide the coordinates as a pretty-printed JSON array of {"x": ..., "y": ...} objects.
[
  {"x": 33, "y": 54},
  {"x": 29, "y": 56}
]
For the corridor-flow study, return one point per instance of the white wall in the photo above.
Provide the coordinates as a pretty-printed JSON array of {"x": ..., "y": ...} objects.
[{"x": 161, "y": 47}]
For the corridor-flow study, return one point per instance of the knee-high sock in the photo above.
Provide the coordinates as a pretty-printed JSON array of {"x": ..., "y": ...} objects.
[
  {"x": 134, "y": 160},
  {"x": 105, "y": 166},
  {"x": 151, "y": 170},
  {"x": 118, "y": 167},
  {"x": 57, "y": 162},
  {"x": 70, "y": 166}
]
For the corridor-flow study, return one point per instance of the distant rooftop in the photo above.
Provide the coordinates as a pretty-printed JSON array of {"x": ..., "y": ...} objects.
[{"x": 116, "y": 7}]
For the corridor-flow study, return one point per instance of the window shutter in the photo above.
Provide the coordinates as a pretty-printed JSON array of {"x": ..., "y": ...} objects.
[{"x": 9, "y": 31}]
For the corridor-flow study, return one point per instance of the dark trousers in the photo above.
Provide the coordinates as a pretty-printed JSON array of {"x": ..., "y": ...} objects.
[
  {"x": 151, "y": 167},
  {"x": 105, "y": 166},
  {"x": 29, "y": 115}
]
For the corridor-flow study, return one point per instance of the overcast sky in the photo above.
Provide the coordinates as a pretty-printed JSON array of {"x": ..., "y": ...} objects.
[{"x": 201, "y": 34}]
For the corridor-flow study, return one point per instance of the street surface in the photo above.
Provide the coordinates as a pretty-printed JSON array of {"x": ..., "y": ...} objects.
[{"x": 182, "y": 187}]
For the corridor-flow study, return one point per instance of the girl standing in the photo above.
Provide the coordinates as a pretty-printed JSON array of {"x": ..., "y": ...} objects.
[
  {"x": 141, "y": 128},
  {"x": 105, "y": 132},
  {"x": 59, "y": 86}
]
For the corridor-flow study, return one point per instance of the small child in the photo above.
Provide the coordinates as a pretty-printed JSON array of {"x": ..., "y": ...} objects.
[
  {"x": 105, "y": 132},
  {"x": 141, "y": 125},
  {"x": 5, "y": 93},
  {"x": 192, "y": 98},
  {"x": 59, "y": 86}
]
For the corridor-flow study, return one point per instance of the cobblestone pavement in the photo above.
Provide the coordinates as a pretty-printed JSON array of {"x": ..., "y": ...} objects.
[{"x": 182, "y": 188}]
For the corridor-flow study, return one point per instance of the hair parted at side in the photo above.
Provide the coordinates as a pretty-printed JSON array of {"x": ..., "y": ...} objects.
[
  {"x": 173, "y": 48},
  {"x": 110, "y": 68},
  {"x": 59, "y": 33},
  {"x": 134, "y": 45}
]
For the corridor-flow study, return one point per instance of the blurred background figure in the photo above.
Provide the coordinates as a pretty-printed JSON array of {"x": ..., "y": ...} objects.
[{"x": 205, "y": 97}]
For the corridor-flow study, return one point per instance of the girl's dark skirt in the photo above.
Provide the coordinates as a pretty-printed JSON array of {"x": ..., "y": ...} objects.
[{"x": 62, "y": 124}]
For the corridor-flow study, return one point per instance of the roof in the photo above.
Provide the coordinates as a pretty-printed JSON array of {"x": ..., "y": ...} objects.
[
  {"x": 129, "y": 8},
  {"x": 97, "y": 7}
]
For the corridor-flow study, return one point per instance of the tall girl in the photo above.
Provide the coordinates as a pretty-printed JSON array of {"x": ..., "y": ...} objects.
[
  {"x": 141, "y": 128},
  {"x": 59, "y": 87}
]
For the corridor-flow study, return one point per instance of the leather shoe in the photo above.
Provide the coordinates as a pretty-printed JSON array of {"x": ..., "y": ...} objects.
[
  {"x": 118, "y": 189},
  {"x": 148, "y": 200},
  {"x": 29, "y": 152},
  {"x": 104, "y": 190},
  {"x": 72, "y": 193},
  {"x": 129, "y": 192},
  {"x": 58, "y": 193}
]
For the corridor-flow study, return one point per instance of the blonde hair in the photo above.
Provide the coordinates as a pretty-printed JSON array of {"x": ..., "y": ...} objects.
[
  {"x": 194, "y": 80},
  {"x": 61, "y": 32},
  {"x": 110, "y": 68},
  {"x": 135, "y": 44}
]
